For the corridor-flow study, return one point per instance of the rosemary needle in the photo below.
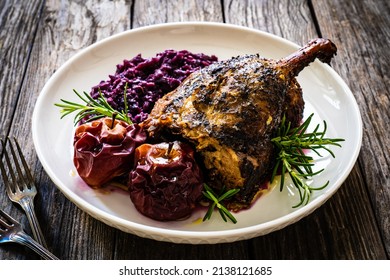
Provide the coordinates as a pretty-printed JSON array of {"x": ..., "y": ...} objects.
[
  {"x": 216, "y": 203},
  {"x": 92, "y": 108},
  {"x": 291, "y": 144}
]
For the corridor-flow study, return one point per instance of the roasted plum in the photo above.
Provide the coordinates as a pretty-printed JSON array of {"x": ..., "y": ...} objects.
[
  {"x": 104, "y": 149},
  {"x": 166, "y": 183}
]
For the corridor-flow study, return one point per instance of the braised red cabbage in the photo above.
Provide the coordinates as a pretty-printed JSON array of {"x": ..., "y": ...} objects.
[{"x": 148, "y": 79}]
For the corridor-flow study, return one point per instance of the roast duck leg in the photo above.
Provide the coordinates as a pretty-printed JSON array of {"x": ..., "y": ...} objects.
[{"x": 230, "y": 110}]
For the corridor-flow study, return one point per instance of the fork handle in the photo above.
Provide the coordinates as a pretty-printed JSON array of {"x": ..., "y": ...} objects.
[
  {"x": 28, "y": 206},
  {"x": 24, "y": 239}
]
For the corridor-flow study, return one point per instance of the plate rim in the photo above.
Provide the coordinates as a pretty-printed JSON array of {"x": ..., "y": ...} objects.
[{"x": 194, "y": 237}]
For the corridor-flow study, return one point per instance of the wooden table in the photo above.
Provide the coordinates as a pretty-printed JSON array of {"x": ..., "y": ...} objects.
[{"x": 37, "y": 37}]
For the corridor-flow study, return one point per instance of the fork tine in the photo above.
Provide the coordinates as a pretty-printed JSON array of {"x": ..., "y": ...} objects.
[
  {"x": 25, "y": 165},
  {"x": 3, "y": 225},
  {"x": 25, "y": 176},
  {"x": 3, "y": 170},
  {"x": 20, "y": 185},
  {"x": 6, "y": 220}
]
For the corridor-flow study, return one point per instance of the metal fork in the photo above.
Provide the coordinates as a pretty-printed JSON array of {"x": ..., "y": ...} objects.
[
  {"x": 12, "y": 231},
  {"x": 20, "y": 186}
]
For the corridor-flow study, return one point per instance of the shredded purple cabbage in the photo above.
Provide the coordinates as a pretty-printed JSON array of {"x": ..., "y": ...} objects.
[{"x": 148, "y": 79}]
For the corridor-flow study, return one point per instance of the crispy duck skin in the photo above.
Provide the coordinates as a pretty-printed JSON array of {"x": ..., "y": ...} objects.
[{"x": 230, "y": 111}]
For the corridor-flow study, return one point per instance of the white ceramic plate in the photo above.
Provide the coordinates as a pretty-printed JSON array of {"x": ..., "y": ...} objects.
[{"x": 325, "y": 94}]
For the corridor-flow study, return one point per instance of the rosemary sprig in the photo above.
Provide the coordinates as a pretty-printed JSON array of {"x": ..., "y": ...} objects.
[
  {"x": 216, "y": 202},
  {"x": 291, "y": 158},
  {"x": 92, "y": 109}
]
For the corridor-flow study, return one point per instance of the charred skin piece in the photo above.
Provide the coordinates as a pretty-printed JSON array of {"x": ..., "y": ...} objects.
[{"x": 230, "y": 111}]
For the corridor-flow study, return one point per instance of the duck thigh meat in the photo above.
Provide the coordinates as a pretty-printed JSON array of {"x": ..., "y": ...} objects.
[{"x": 230, "y": 111}]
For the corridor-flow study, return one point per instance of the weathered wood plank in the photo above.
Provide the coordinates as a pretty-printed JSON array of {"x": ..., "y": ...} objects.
[
  {"x": 153, "y": 12},
  {"x": 337, "y": 230},
  {"x": 361, "y": 28},
  {"x": 290, "y": 19},
  {"x": 65, "y": 28},
  {"x": 294, "y": 21},
  {"x": 139, "y": 248},
  {"x": 18, "y": 23},
  {"x": 344, "y": 228}
]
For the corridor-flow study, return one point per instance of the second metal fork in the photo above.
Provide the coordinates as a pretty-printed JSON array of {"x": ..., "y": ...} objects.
[
  {"x": 12, "y": 231},
  {"x": 20, "y": 185}
]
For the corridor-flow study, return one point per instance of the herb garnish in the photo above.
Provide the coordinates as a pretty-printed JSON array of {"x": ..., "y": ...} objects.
[
  {"x": 291, "y": 144},
  {"x": 93, "y": 108},
  {"x": 291, "y": 158},
  {"x": 216, "y": 202}
]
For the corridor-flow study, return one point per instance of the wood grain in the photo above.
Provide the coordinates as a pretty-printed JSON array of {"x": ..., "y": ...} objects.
[
  {"x": 37, "y": 37},
  {"x": 278, "y": 18},
  {"x": 154, "y": 12},
  {"x": 69, "y": 26},
  {"x": 19, "y": 23},
  {"x": 275, "y": 17},
  {"x": 361, "y": 28}
]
